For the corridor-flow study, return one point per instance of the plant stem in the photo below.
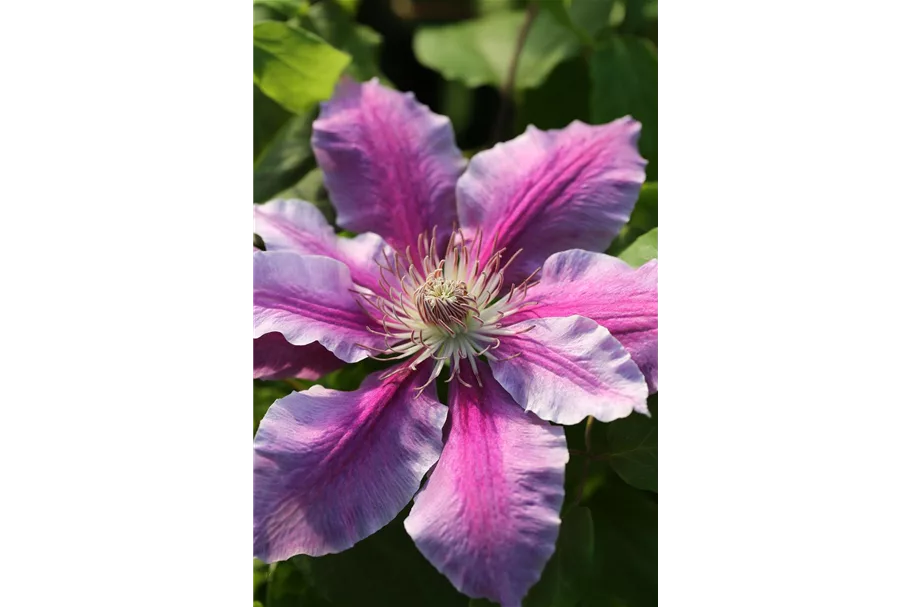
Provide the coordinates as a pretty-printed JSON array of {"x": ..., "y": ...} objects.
[
  {"x": 502, "y": 128},
  {"x": 589, "y": 424},
  {"x": 586, "y": 465}
]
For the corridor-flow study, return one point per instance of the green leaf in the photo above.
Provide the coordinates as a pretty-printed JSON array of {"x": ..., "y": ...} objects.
[
  {"x": 458, "y": 102},
  {"x": 564, "y": 97},
  {"x": 287, "y": 8},
  {"x": 260, "y": 580},
  {"x": 286, "y": 159},
  {"x": 311, "y": 189},
  {"x": 268, "y": 118},
  {"x": 639, "y": 16},
  {"x": 350, "y": 376},
  {"x": 264, "y": 394},
  {"x": 483, "y": 8},
  {"x": 478, "y": 52},
  {"x": 626, "y": 547},
  {"x": 645, "y": 214},
  {"x": 289, "y": 587},
  {"x": 264, "y": 13},
  {"x": 336, "y": 25},
  {"x": 643, "y": 219},
  {"x": 350, "y": 6},
  {"x": 585, "y": 18},
  {"x": 560, "y": 10},
  {"x": 645, "y": 248},
  {"x": 632, "y": 447},
  {"x": 544, "y": 592},
  {"x": 569, "y": 570},
  {"x": 624, "y": 75},
  {"x": 383, "y": 569},
  {"x": 294, "y": 67}
]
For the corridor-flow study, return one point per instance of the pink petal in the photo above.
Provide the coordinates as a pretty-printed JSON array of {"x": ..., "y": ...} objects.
[
  {"x": 488, "y": 517},
  {"x": 548, "y": 191},
  {"x": 620, "y": 298},
  {"x": 331, "y": 468},
  {"x": 308, "y": 299},
  {"x": 568, "y": 368},
  {"x": 296, "y": 225},
  {"x": 389, "y": 163},
  {"x": 275, "y": 358}
]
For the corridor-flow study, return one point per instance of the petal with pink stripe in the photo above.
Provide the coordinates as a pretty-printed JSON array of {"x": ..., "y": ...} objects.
[
  {"x": 564, "y": 369},
  {"x": 622, "y": 299},
  {"x": 489, "y": 515},
  {"x": 308, "y": 298},
  {"x": 548, "y": 191},
  {"x": 331, "y": 467},
  {"x": 275, "y": 358},
  {"x": 389, "y": 163},
  {"x": 297, "y": 225}
]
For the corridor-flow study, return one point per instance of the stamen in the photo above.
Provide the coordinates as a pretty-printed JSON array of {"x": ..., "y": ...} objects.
[{"x": 445, "y": 309}]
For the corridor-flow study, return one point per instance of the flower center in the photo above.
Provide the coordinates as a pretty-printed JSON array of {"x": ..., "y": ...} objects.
[
  {"x": 447, "y": 309},
  {"x": 444, "y": 302}
]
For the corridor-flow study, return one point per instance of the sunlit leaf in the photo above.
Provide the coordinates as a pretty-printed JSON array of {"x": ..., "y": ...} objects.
[
  {"x": 334, "y": 23},
  {"x": 294, "y": 67},
  {"x": 479, "y": 51},
  {"x": 643, "y": 249},
  {"x": 287, "y": 8},
  {"x": 643, "y": 219}
]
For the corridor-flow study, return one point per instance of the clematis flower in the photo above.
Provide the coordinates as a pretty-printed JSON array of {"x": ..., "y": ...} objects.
[{"x": 494, "y": 269}]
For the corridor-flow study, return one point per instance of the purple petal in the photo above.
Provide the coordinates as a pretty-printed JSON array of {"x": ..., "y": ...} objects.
[
  {"x": 620, "y": 298},
  {"x": 275, "y": 358},
  {"x": 308, "y": 299},
  {"x": 389, "y": 163},
  {"x": 296, "y": 225},
  {"x": 568, "y": 368},
  {"x": 488, "y": 517},
  {"x": 548, "y": 191},
  {"x": 331, "y": 468}
]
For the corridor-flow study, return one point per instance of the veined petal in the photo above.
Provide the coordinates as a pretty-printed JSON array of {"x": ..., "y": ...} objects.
[
  {"x": 548, "y": 191},
  {"x": 568, "y": 368},
  {"x": 307, "y": 298},
  {"x": 622, "y": 299},
  {"x": 489, "y": 515},
  {"x": 389, "y": 163},
  {"x": 297, "y": 225},
  {"x": 275, "y": 358},
  {"x": 331, "y": 467}
]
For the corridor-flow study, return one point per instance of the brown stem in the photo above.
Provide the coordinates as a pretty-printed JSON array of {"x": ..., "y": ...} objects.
[{"x": 502, "y": 128}]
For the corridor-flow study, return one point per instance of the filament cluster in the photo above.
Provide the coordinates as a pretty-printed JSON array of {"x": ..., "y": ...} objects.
[{"x": 445, "y": 308}]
